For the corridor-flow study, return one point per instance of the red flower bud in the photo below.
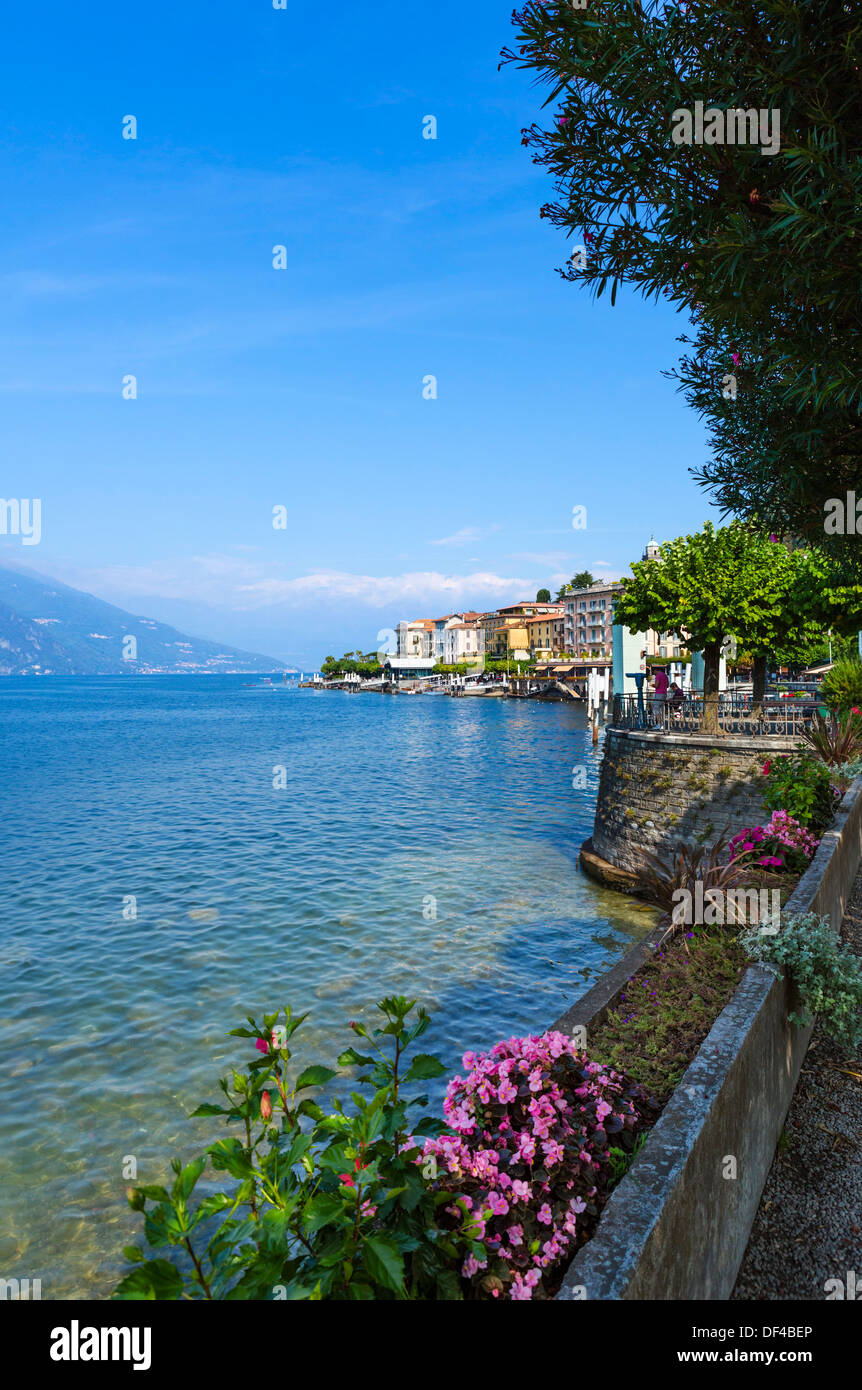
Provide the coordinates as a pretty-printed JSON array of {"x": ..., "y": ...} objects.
[{"x": 265, "y": 1106}]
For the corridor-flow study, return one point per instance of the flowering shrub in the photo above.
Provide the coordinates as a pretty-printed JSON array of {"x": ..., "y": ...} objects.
[
  {"x": 801, "y": 785},
  {"x": 308, "y": 1204},
  {"x": 782, "y": 844},
  {"x": 529, "y": 1155}
]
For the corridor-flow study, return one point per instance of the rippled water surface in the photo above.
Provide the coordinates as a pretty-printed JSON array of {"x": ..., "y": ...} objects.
[{"x": 323, "y": 894}]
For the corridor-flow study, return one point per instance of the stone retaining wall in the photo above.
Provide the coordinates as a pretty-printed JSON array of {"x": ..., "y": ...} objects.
[
  {"x": 678, "y": 1224},
  {"x": 656, "y": 789}
]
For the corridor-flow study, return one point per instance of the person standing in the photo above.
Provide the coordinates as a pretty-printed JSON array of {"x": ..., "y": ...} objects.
[{"x": 662, "y": 685}]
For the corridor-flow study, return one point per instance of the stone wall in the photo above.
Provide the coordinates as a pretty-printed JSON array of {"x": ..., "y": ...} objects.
[
  {"x": 677, "y": 1225},
  {"x": 657, "y": 789}
]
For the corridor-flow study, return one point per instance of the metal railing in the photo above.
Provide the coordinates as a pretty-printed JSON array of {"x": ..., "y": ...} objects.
[{"x": 782, "y": 718}]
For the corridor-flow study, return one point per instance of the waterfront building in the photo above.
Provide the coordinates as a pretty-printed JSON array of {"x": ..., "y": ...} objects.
[
  {"x": 408, "y": 667},
  {"x": 545, "y": 634},
  {"x": 463, "y": 642},
  {"x": 588, "y": 619}
]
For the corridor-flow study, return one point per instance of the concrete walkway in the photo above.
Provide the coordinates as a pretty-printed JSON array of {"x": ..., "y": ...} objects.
[{"x": 808, "y": 1228}]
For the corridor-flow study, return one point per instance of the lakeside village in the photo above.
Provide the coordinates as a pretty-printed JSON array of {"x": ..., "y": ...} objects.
[{"x": 568, "y": 648}]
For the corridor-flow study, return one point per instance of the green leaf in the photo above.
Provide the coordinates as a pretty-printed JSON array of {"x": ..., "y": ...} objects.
[
  {"x": 228, "y": 1155},
  {"x": 157, "y": 1279},
  {"x": 322, "y": 1210},
  {"x": 314, "y": 1076},
  {"x": 133, "y": 1253},
  {"x": 185, "y": 1183},
  {"x": 211, "y": 1205},
  {"x": 424, "y": 1067},
  {"x": 351, "y": 1058},
  {"x": 154, "y": 1193},
  {"x": 384, "y": 1263},
  {"x": 207, "y": 1110}
]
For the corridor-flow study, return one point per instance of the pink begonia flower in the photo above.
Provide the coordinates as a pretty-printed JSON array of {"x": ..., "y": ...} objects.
[
  {"x": 553, "y": 1151},
  {"x": 472, "y": 1266},
  {"x": 499, "y": 1206},
  {"x": 544, "y": 1214},
  {"x": 520, "y": 1189},
  {"x": 603, "y": 1110},
  {"x": 516, "y": 1235},
  {"x": 506, "y": 1092}
]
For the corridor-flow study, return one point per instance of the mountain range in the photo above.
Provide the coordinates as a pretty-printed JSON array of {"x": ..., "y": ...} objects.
[{"x": 47, "y": 628}]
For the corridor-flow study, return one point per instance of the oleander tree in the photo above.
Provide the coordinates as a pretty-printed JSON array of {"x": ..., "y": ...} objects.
[
  {"x": 733, "y": 581},
  {"x": 759, "y": 243}
]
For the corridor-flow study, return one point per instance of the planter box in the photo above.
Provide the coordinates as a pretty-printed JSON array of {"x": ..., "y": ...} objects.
[{"x": 678, "y": 1224}]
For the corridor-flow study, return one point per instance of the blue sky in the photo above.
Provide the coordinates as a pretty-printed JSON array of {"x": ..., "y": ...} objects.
[{"x": 303, "y": 387}]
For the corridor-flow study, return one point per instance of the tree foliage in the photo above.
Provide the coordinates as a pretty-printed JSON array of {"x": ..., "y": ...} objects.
[{"x": 764, "y": 251}]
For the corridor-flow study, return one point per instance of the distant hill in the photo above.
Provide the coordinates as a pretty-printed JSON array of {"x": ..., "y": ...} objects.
[{"x": 46, "y": 628}]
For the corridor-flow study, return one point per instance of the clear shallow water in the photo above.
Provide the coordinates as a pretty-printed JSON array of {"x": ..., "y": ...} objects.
[{"x": 249, "y": 897}]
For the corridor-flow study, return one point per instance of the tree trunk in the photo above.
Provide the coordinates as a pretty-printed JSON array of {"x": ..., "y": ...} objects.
[
  {"x": 711, "y": 659},
  {"x": 758, "y": 681}
]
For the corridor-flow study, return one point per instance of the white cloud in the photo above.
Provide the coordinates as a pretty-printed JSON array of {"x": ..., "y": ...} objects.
[
  {"x": 242, "y": 585},
  {"x": 462, "y": 537},
  {"x": 424, "y": 587}
]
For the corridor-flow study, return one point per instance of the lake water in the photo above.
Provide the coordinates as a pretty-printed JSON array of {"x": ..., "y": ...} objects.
[{"x": 423, "y": 846}]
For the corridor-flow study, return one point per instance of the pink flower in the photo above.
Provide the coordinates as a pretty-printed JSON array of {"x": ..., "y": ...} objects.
[
  {"x": 262, "y": 1045},
  {"x": 544, "y": 1214},
  {"x": 506, "y": 1092},
  {"x": 516, "y": 1235},
  {"x": 520, "y": 1190},
  {"x": 499, "y": 1206}
]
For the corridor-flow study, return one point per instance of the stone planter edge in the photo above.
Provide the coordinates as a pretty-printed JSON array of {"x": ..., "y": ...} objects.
[{"x": 678, "y": 1224}]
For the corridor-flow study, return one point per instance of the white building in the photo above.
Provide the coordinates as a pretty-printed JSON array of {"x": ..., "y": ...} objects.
[{"x": 462, "y": 642}]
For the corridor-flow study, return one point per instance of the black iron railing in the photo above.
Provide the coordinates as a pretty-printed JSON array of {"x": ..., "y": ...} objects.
[{"x": 736, "y": 715}]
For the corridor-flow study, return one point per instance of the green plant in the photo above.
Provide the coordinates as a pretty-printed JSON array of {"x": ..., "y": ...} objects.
[
  {"x": 663, "y": 881},
  {"x": 325, "y": 1205},
  {"x": 836, "y": 740},
  {"x": 802, "y": 786},
  {"x": 842, "y": 686},
  {"x": 826, "y": 974},
  {"x": 621, "y": 1161}
]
